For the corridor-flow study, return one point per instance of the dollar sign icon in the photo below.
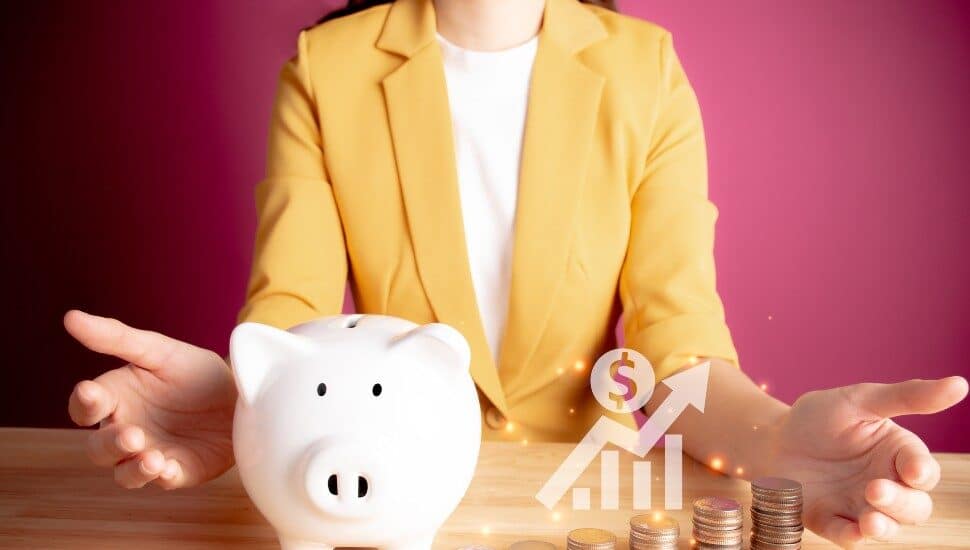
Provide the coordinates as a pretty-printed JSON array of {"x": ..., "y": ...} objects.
[
  {"x": 620, "y": 378},
  {"x": 626, "y": 391}
]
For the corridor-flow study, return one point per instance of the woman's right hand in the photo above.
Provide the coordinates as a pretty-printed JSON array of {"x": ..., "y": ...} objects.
[{"x": 164, "y": 417}]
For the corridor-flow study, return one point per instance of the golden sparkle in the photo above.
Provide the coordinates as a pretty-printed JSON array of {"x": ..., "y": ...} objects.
[{"x": 717, "y": 463}]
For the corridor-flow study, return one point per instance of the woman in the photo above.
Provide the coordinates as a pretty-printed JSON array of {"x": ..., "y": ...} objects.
[{"x": 408, "y": 141}]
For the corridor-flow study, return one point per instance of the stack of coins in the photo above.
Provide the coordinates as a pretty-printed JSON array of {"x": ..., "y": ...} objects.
[
  {"x": 776, "y": 514},
  {"x": 590, "y": 539},
  {"x": 717, "y": 523},
  {"x": 653, "y": 532},
  {"x": 532, "y": 545}
]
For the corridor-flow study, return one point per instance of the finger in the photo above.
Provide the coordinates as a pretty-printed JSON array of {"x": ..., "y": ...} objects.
[
  {"x": 135, "y": 472},
  {"x": 834, "y": 527},
  {"x": 898, "y": 502},
  {"x": 149, "y": 350},
  {"x": 90, "y": 403},
  {"x": 875, "y": 524},
  {"x": 112, "y": 444},
  {"x": 172, "y": 475},
  {"x": 910, "y": 397},
  {"x": 842, "y": 531},
  {"x": 916, "y": 467}
]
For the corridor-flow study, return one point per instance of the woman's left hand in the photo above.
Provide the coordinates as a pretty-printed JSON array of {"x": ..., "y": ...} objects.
[{"x": 863, "y": 475}]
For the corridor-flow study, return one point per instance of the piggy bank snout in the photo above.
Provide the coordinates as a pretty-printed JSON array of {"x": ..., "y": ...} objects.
[{"x": 341, "y": 480}]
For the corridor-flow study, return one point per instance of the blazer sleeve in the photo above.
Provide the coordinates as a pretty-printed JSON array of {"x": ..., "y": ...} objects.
[
  {"x": 671, "y": 310},
  {"x": 299, "y": 269}
]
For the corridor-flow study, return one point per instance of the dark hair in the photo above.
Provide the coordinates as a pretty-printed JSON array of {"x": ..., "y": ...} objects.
[{"x": 354, "y": 6}]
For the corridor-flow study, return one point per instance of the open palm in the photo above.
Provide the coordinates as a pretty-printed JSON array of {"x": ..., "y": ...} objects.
[
  {"x": 164, "y": 417},
  {"x": 863, "y": 474}
]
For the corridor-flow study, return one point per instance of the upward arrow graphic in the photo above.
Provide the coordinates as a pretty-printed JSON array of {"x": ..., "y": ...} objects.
[{"x": 687, "y": 388}]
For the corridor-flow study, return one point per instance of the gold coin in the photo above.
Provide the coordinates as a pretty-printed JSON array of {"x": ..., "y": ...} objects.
[
  {"x": 776, "y": 485},
  {"x": 654, "y": 522},
  {"x": 758, "y": 545},
  {"x": 532, "y": 545},
  {"x": 717, "y": 505},
  {"x": 591, "y": 536}
]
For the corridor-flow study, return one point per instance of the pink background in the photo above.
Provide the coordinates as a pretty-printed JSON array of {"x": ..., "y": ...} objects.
[{"x": 133, "y": 133}]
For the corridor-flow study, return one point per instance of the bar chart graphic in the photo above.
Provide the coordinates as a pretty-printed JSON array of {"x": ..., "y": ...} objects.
[
  {"x": 642, "y": 480},
  {"x": 688, "y": 388}
]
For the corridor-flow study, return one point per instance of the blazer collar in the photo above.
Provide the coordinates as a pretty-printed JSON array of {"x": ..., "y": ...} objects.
[
  {"x": 560, "y": 123},
  {"x": 410, "y": 26}
]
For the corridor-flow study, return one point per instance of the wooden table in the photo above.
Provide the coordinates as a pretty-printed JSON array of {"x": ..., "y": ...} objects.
[{"x": 51, "y": 497}]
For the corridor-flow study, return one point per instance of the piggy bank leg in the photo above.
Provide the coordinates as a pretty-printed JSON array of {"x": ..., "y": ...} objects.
[
  {"x": 294, "y": 544},
  {"x": 415, "y": 544}
]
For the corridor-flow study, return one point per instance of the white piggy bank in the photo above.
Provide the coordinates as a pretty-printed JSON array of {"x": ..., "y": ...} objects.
[{"x": 354, "y": 430}]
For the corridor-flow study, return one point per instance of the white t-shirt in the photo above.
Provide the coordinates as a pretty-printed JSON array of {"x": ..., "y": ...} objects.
[{"x": 488, "y": 92}]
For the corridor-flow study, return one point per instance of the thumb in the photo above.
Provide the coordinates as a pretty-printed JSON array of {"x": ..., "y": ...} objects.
[{"x": 909, "y": 397}]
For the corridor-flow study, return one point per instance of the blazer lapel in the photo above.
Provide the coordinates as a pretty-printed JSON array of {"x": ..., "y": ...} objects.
[
  {"x": 563, "y": 105},
  {"x": 420, "y": 123}
]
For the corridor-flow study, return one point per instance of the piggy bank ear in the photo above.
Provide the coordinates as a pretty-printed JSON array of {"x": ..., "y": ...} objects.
[
  {"x": 255, "y": 350},
  {"x": 440, "y": 339}
]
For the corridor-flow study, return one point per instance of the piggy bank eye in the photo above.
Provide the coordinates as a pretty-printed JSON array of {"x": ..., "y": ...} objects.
[
  {"x": 376, "y": 390},
  {"x": 321, "y": 389}
]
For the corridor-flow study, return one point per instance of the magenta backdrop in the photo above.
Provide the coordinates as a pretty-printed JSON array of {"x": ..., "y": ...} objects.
[{"x": 134, "y": 133}]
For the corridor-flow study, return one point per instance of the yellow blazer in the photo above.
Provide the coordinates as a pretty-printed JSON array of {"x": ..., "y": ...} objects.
[{"x": 612, "y": 210}]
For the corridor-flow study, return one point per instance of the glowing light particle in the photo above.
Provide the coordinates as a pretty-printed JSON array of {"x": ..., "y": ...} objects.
[
  {"x": 525, "y": 442},
  {"x": 739, "y": 471},
  {"x": 764, "y": 387},
  {"x": 717, "y": 463},
  {"x": 579, "y": 365},
  {"x": 572, "y": 411},
  {"x": 560, "y": 370},
  {"x": 556, "y": 516},
  {"x": 486, "y": 530},
  {"x": 510, "y": 426}
]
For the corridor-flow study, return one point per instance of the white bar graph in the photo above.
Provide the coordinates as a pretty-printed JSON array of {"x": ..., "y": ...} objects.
[
  {"x": 610, "y": 480},
  {"x": 642, "y": 480},
  {"x": 581, "y": 498},
  {"x": 641, "y": 485},
  {"x": 673, "y": 472}
]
